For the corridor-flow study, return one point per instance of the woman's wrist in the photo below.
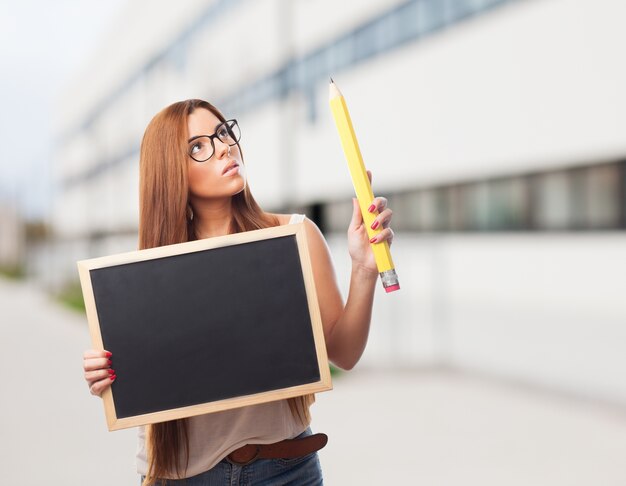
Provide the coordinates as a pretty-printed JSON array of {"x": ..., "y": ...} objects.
[{"x": 362, "y": 272}]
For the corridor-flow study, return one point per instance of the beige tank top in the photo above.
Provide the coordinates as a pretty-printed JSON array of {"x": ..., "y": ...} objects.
[{"x": 213, "y": 436}]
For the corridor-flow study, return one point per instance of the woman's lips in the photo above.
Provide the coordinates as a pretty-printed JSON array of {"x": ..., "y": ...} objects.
[{"x": 231, "y": 169}]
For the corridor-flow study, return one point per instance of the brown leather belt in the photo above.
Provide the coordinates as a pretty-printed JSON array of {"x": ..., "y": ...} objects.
[{"x": 285, "y": 449}]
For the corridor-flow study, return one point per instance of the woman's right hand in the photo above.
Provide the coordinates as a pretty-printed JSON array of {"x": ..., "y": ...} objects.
[{"x": 98, "y": 372}]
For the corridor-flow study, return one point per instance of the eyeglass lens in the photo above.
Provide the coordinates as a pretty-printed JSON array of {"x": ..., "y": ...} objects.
[{"x": 202, "y": 148}]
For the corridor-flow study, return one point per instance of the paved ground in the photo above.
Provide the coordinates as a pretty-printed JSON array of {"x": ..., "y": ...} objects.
[
  {"x": 404, "y": 427},
  {"x": 444, "y": 429}
]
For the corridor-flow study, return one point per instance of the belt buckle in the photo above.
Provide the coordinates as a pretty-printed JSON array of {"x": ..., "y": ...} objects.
[{"x": 254, "y": 458}]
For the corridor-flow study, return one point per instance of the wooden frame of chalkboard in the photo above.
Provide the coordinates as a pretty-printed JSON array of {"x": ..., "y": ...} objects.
[{"x": 207, "y": 325}]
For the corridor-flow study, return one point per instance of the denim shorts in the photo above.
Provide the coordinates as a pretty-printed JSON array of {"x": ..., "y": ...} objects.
[{"x": 300, "y": 471}]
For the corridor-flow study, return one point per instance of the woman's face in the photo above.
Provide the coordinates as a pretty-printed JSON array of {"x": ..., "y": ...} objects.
[{"x": 221, "y": 176}]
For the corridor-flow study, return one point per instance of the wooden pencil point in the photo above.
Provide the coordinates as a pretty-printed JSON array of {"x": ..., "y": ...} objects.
[{"x": 333, "y": 90}]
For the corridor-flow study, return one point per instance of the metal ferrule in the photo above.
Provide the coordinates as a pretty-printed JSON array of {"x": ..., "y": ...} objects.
[{"x": 389, "y": 278}]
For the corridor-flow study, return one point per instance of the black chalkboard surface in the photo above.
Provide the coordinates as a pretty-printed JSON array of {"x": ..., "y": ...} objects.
[{"x": 206, "y": 325}]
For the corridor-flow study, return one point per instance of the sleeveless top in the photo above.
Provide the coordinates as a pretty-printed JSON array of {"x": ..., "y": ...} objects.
[{"x": 213, "y": 436}]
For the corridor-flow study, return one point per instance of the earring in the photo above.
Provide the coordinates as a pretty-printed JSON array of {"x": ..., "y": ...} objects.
[{"x": 189, "y": 212}]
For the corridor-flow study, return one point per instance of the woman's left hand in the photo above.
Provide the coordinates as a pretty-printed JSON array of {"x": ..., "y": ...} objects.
[{"x": 358, "y": 241}]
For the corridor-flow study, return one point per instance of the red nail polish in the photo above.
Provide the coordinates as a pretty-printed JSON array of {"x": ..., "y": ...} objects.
[
  {"x": 108, "y": 361},
  {"x": 375, "y": 225},
  {"x": 373, "y": 240},
  {"x": 112, "y": 377},
  {"x": 108, "y": 354},
  {"x": 111, "y": 371},
  {"x": 371, "y": 208}
]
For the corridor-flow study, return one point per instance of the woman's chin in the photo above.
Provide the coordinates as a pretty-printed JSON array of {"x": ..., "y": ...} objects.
[
  {"x": 242, "y": 187},
  {"x": 244, "y": 180}
]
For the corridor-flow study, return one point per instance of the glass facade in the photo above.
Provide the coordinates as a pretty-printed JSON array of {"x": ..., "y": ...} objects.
[{"x": 587, "y": 198}]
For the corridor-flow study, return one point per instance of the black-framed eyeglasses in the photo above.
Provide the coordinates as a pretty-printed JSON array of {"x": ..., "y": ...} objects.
[{"x": 201, "y": 147}]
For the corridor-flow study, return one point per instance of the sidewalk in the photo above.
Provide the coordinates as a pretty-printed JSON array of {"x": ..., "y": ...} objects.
[
  {"x": 406, "y": 427},
  {"x": 52, "y": 430},
  {"x": 446, "y": 429}
]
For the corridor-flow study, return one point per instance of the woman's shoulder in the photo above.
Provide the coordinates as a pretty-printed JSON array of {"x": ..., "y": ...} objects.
[
  {"x": 315, "y": 238},
  {"x": 282, "y": 218},
  {"x": 313, "y": 232}
]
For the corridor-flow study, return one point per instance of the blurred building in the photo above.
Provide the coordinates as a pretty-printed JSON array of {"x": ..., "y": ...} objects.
[
  {"x": 495, "y": 128},
  {"x": 12, "y": 238}
]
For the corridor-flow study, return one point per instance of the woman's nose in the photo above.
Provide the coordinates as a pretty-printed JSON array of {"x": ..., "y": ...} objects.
[{"x": 221, "y": 148}]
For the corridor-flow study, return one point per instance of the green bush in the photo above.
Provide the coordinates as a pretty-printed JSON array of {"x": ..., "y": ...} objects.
[
  {"x": 72, "y": 296},
  {"x": 334, "y": 371},
  {"x": 15, "y": 272}
]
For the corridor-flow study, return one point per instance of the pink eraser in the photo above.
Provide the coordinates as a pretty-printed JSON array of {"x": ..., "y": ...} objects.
[{"x": 391, "y": 288}]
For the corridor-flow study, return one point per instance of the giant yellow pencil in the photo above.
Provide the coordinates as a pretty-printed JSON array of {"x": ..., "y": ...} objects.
[{"x": 362, "y": 185}]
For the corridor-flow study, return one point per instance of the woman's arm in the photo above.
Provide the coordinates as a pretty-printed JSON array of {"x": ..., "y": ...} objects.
[{"x": 346, "y": 327}]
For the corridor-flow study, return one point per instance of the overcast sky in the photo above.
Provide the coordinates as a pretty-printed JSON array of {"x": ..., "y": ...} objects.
[{"x": 41, "y": 45}]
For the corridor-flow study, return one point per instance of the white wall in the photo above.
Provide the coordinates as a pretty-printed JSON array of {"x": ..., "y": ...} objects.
[{"x": 542, "y": 309}]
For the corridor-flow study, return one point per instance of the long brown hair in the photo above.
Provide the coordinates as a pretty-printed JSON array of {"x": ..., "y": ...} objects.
[{"x": 164, "y": 219}]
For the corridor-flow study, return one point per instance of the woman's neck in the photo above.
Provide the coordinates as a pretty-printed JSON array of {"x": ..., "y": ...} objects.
[{"x": 212, "y": 218}]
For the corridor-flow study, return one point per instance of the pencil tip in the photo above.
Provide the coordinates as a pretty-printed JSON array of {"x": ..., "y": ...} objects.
[{"x": 331, "y": 80}]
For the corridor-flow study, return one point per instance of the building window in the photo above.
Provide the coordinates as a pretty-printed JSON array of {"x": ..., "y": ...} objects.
[
  {"x": 509, "y": 204},
  {"x": 553, "y": 201},
  {"x": 430, "y": 15},
  {"x": 602, "y": 191}
]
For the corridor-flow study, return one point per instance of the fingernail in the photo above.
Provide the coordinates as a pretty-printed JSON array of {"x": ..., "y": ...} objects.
[
  {"x": 371, "y": 208},
  {"x": 108, "y": 361},
  {"x": 111, "y": 371},
  {"x": 373, "y": 240},
  {"x": 375, "y": 225},
  {"x": 112, "y": 377},
  {"x": 108, "y": 354}
]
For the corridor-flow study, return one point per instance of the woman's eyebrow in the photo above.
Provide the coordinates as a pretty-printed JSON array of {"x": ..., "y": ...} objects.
[{"x": 205, "y": 135}]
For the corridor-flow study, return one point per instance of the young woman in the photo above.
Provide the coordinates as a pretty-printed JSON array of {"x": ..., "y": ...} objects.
[{"x": 193, "y": 185}]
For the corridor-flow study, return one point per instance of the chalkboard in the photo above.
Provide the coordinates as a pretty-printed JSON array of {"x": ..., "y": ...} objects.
[{"x": 206, "y": 325}]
